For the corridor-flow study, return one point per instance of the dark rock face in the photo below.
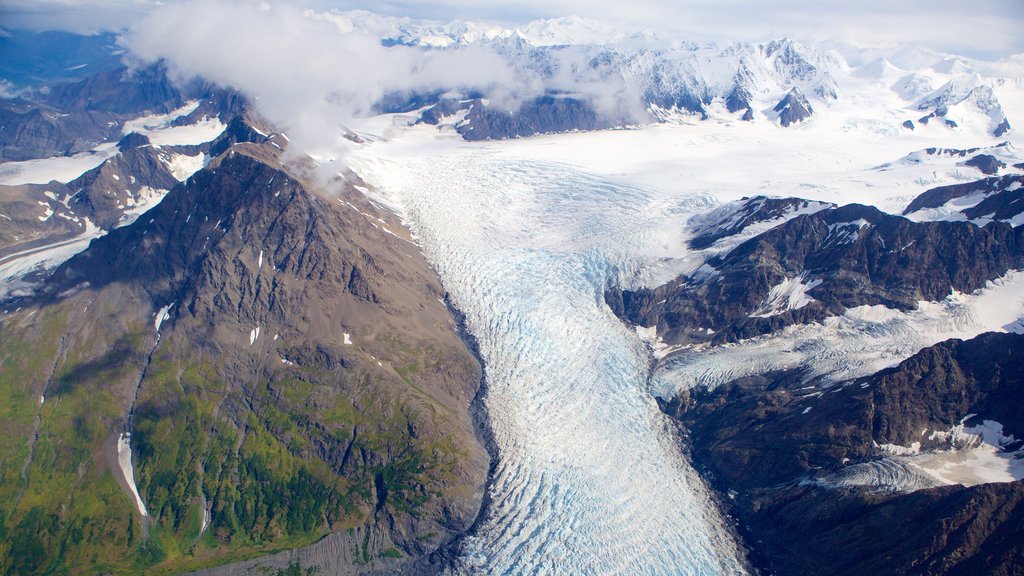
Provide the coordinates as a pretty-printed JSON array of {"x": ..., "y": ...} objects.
[
  {"x": 439, "y": 111},
  {"x": 768, "y": 441},
  {"x": 987, "y": 163},
  {"x": 1002, "y": 198},
  {"x": 675, "y": 100},
  {"x": 104, "y": 193},
  {"x": 793, "y": 108},
  {"x": 28, "y": 131},
  {"x": 1002, "y": 205},
  {"x": 909, "y": 124},
  {"x": 73, "y": 117},
  {"x": 728, "y": 222},
  {"x": 36, "y": 217},
  {"x": 1002, "y": 128},
  {"x": 547, "y": 114},
  {"x": 853, "y": 255},
  {"x": 738, "y": 99}
]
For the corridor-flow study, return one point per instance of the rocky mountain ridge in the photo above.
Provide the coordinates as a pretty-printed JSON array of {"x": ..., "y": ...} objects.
[
  {"x": 281, "y": 361},
  {"x": 815, "y": 488},
  {"x": 821, "y": 264}
]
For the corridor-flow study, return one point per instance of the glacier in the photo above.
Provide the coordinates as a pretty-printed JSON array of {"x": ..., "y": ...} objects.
[
  {"x": 526, "y": 235},
  {"x": 590, "y": 478}
]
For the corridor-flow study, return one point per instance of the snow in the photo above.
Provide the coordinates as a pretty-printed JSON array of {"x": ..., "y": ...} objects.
[
  {"x": 861, "y": 341},
  {"x": 525, "y": 247},
  {"x": 348, "y": 339},
  {"x": 790, "y": 294},
  {"x": 147, "y": 124},
  {"x": 527, "y": 234},
  {"x": 146, "y": 199},
  {"x": 260, "y": 265},
  {"x": 14, "y": 267},
  {"x": 161, "y": 132},
  {"x": 47, "y": 212},
  {"x": 183, "y": 166},
  {"x": 966, "y": 455},
  {"x": 59, "y": 168},
  {"x": 253, "y": 335},
  {"x": 124, "y": 459},
  {"x": 161, "y": 315},
  {"x": 206, "y": 521},
  {"x": 198, "y": 133},
  {"x": 844, "y": 232}
]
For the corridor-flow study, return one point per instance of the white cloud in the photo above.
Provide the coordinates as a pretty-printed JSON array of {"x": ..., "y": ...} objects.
[
  {"x": 979, "y": 28},
  {"x": 304, "y": 73}
]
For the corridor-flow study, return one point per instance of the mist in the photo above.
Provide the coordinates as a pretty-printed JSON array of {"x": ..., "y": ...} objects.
[{"x": 305, "y": 72}]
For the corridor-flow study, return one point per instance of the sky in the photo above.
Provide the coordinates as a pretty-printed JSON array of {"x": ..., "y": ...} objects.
[{"x": 987, "y": 29}]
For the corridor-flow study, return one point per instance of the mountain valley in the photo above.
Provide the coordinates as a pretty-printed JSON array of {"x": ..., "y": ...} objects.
[{"x": 555, "y": 298}]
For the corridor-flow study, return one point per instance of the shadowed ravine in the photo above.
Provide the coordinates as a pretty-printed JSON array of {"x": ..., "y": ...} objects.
[{"x": 591, "y": 479}]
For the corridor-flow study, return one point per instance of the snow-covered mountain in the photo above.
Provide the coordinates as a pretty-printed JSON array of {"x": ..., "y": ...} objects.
[{"x": 641, "y": 77}]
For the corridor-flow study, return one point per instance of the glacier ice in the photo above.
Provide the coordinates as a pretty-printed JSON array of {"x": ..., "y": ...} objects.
[{"x": 590, "y": 478}]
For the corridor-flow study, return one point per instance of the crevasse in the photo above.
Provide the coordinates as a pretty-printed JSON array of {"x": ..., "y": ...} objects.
[{"x": 591, "y": 479}]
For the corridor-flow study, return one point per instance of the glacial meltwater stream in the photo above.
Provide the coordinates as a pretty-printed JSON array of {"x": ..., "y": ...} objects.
[{"x": 591, "y": 479}]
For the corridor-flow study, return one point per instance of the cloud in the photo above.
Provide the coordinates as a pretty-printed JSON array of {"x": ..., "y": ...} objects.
[
  {"x": 307, "y": 74},
  {"x": 979, "y": 28}
]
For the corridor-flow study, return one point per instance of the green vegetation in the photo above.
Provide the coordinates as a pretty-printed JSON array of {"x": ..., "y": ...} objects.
[{"x": 279, "y": 462}]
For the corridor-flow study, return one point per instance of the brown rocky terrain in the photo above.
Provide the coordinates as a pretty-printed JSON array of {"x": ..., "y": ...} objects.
[
  {"x": 288, "y": 370},
  {"x": 773, "y": 446}
]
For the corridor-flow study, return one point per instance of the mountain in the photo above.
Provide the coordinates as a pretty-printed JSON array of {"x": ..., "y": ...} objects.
[
  {"x": 258, "y": 363},
  {"x": 982, "y": 201},
  {"x": 72, "y": 117},
  {"x": 645, "y": 78},
  {"x": 762, "y": 306},
  {"x": 793, "y": 108},
  {"x": 817, "y": 476},
  {"x": 29, "y": 58},
  {"x": 818, "y": 265}
]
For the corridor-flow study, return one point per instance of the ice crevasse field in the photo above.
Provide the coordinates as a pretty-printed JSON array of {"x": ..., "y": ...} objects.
[{"x": 528, "y": 234}]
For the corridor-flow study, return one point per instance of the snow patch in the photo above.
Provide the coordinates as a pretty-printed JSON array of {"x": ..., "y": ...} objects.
[
  {"x": 59, "y": 168},
  {"x": 124, "y": 459},
  {"x": 790, "y": 294},
  {"x": 161, "y": 315},
  {"x": 183, "y": 166},
  {"x": 253, "y": 335},
  {"x": 348, "y": 339}
]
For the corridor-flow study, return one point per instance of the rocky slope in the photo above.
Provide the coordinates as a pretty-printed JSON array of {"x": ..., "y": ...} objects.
[
  {"x": 821, "y": 264},
  {"x": 982, "y": 201},
  {"x": 286, "y": 369},
  {"x": 71, "y": 117},
  {"x": 792, "y": 458}
]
